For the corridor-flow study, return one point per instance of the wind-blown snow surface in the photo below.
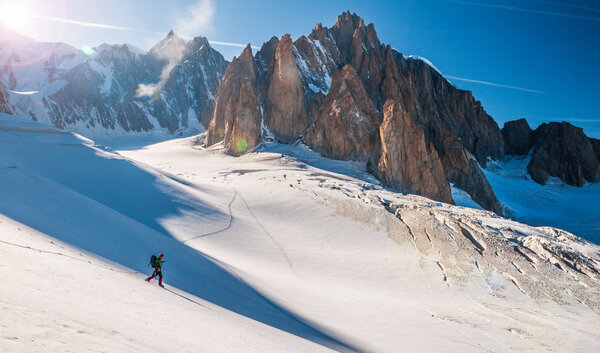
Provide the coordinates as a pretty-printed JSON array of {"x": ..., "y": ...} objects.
[{"x": 267, "y": 253}]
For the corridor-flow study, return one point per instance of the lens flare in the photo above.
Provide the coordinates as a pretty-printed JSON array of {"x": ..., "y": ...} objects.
[
  {"x": 88, "y": 50},
  {"x": 241, "y": 145},
  {"x": 13, "y": 13}
]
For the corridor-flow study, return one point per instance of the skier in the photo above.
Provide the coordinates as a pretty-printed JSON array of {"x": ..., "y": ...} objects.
[{"x": 156, "y": 263}]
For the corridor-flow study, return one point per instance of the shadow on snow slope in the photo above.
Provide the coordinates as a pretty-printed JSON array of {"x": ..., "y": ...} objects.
[{"x": 108, "y": 206}]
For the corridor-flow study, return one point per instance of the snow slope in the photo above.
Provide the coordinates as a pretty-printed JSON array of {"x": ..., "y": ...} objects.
[
  {"x": 110, "y": 209},
  {"x": 63, "y": 303},
  {"x": 556, "y": 204},
  {"x": 277, "y": 250}
]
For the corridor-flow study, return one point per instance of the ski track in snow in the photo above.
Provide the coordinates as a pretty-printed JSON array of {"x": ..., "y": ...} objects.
[
  {"x": 231, "y": 218},
  {"x": 287, "y": 258}
]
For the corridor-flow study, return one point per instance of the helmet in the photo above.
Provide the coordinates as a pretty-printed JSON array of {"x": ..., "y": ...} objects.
[{"x": 161, "y": 255}]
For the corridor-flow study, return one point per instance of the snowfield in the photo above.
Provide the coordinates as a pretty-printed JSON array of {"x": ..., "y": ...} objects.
[
  {"x": 277, "y": 250},
  {"x": 556, "y": 204}
]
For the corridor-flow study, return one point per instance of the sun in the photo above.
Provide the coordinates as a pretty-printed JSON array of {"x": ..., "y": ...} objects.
[{"x": 13, "y": 13}]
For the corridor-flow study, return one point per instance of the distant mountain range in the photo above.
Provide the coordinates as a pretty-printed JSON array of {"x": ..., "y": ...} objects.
[
  {"x": 339, "y": 90},
  {"x": 111, "y": 88}
]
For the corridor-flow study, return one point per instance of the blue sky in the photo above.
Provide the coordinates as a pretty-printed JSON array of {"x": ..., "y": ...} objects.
[{"x": 536, "y": 59}]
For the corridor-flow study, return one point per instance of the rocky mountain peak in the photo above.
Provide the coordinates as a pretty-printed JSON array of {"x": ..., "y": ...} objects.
[
  {"x": 266, "y": 53},
  {"x": 236, "y": 117},
  {"x": 349, "y": 20},
  {"x": 246, "y": 54},
  {"x": 170, "y": 42},
  {"x": 564, "y": 151},
  {"x": 286, "y": 105},
  {"x": 198, "y": 43},
  {"x": 518, "y": 137}
]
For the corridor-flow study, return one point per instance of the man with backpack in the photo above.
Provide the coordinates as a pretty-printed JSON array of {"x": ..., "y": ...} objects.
[{"x": 156, "y": 263}]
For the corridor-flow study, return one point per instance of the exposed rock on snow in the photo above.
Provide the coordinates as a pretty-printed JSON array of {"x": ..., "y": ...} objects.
[
  {"x": 564, "y": 151},
  {"x": 559, "y": 150},
  {"x": 518, "y": 137}
]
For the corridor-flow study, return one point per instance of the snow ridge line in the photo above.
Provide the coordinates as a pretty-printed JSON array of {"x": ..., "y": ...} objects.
[
  {"x": 220, "y": 230},
  {"x": 65, "y": 255}
]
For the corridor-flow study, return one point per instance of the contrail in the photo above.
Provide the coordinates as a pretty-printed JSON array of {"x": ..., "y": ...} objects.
[
  {"x": 565, "y": 5},
  {"x": 232, "y": 44},
  {"x": 576, "y": 120},
  {"x": 129, "y": 29},
  {"x": 494, "y": 84},
  {"x": 520, "y": 9},
  {"x": 92, "y": 24}
]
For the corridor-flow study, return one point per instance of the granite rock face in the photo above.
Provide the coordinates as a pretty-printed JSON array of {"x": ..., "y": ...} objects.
[
  {"x": 348, "y": 96},
  {"x": 408, "y": 161},
  {"x": 345, "y": 126},
  {"x": 518, "y": 137},
  {"x": 564, "y": 151},
  {"x": 239, "y": 122},
  {"x": 286, "y": 111}
]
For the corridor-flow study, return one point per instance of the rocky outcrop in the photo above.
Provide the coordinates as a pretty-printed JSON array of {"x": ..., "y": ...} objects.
[
  {"x": 408, "y": 161},
  {"x": 330, "y": 89},
  {"x": 596, "y": 145},
  {"x": 237, "y": 118},
  {"x": 4, "y": 105},
  {"x": 557, "y": 150},
  {"x": 518, "y": 137},
  {"x": 441, "y": 107},
  {"x": 564, "y": 151},
  {"x": 346, "y": 125},
  {"x": 463, "y": 170}
]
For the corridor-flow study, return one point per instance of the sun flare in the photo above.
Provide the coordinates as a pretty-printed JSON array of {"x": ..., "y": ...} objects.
[{"x": 13, "y": 13}]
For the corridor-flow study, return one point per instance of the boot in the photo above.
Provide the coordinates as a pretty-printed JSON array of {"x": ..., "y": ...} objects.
[
  {"x": 149, "y": 278},
  {"x": 160, "y": 282}
]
